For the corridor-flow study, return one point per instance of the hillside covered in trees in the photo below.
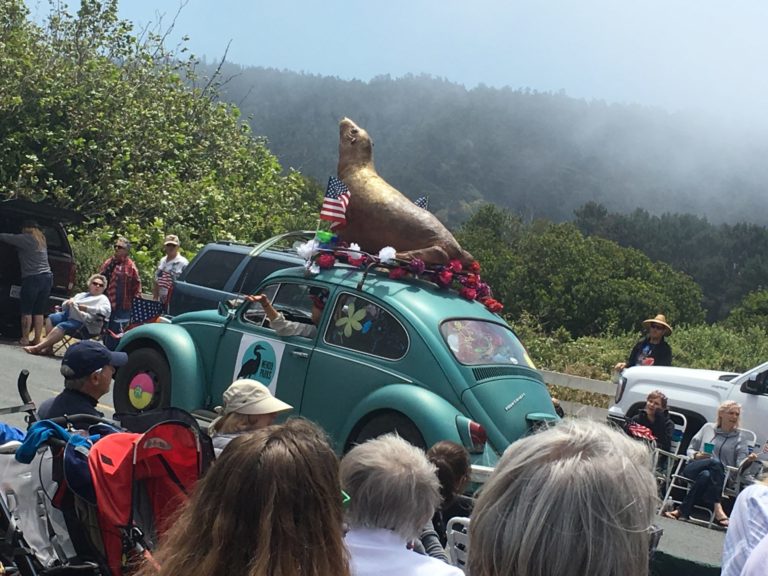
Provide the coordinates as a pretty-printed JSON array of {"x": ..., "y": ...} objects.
[{"x": 541, "y": 155}]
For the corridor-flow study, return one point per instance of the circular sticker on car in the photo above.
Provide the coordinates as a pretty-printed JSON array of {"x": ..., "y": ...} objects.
[{"x": 141, "y": 390}]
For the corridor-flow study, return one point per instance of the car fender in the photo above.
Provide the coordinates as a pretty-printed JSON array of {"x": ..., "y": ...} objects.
[
  {"x": 188, "y": 385},
  {"x": 434, "y": 416}
]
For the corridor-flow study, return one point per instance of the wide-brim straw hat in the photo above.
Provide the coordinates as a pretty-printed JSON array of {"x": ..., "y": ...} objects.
[{"x": 659, "y": 319}]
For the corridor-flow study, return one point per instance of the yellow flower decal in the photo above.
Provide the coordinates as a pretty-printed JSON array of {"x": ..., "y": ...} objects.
[{"x": 352, "y": 320}]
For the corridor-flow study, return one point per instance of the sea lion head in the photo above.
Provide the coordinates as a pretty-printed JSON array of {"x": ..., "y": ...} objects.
[{"x": 355, "y": 146}]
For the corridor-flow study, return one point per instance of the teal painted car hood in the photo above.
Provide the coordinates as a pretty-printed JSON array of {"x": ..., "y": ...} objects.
[{"x": 507, "y": 407}]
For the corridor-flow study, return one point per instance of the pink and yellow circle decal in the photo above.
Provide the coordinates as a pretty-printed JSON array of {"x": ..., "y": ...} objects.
[{"x": 141, "y": 391}]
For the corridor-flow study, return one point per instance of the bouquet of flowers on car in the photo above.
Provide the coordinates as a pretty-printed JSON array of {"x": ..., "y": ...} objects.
[{"x": 325, "y": 250}]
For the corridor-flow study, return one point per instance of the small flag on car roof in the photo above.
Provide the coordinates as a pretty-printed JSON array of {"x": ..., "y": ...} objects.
[
  {"x": 335, "y": 203},
  {"x": 422, "y": 202}
]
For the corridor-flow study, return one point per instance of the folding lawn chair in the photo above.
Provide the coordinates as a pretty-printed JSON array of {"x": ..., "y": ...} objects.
[
  {"x": 457, "y": 546},
  {"x": 666, "y": 460}
]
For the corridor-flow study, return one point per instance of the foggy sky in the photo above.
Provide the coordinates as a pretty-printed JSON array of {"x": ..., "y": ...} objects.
[{"x": 685, "y": 55}]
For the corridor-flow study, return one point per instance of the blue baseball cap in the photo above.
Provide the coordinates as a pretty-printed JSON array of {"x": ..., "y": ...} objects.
[{"x": 84, "y": 358}]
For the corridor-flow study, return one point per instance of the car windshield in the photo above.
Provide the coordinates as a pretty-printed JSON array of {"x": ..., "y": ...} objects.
[{"x": 478, "y": 342}]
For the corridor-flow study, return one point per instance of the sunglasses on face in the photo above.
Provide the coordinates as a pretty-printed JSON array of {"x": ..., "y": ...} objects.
[
  {"x": 120, "y": 247},
  {"x": 97, "y": 284}
]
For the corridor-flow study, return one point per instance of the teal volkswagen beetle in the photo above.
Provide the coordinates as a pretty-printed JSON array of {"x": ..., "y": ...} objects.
[{"x": 386, "y": 355}]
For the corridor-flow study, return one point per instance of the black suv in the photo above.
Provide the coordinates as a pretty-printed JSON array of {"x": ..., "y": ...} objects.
[
  {"x": 50, "y": 218},
  {"x": 224, "y": 270}
]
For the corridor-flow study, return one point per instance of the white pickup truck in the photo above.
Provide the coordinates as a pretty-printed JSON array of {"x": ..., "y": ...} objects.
[{"x": 697, "y": 394}]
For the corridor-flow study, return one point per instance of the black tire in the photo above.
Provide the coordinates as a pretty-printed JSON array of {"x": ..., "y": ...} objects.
[
  {"x": 145, "y": 366},
  {"x": 385, "y": 423}
]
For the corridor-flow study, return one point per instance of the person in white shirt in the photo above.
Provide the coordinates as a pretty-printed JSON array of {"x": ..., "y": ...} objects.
[
  {"x": 748, "y": 526},
  {"x": 169, "y": 269},
  {"x": 83, "y": 315},
  {"x": 393, "y": 492},
  {"x": 283, "y": 327}
]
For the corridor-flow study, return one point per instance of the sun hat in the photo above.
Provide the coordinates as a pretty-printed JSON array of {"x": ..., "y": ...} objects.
[
  {"x": 659, "y": 319},
  {"x": 247, "y": 396},
  {"x": 84, "y": 358},
  {"x": 171, "y": 239}
]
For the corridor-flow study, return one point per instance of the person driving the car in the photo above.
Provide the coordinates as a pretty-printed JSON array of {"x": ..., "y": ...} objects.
[{"x": 283, "y": 327}]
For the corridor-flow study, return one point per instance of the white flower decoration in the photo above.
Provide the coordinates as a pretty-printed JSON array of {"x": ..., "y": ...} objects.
[
  {"x": 307, "y": 249},
  {"x": 387, "y": 254},
  {"x": 311, "y": 267}
]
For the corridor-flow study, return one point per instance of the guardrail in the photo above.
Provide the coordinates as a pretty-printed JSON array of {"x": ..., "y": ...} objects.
[
  {"x": 584, "y": 384},
  {"x": 579, "y": 383}
]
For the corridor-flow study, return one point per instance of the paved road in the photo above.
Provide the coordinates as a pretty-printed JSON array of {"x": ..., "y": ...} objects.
[{"x": 44, "y": 379}]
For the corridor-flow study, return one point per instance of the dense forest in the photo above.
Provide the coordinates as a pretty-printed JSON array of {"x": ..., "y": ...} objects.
[{"x": 542, "y": 155}]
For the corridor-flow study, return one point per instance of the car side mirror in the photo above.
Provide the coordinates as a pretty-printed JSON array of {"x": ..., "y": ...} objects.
[
  {"x": 755, "y": 384},
  {"x": 227, "y": 307}
]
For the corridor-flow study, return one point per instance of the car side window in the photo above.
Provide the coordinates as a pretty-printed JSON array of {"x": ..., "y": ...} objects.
[
  {"x": 213, "y": 269},
  {"x": 361, "y": 325},
  {"x": 255, "y": 271},
  {"x": 254, "y": 312}
]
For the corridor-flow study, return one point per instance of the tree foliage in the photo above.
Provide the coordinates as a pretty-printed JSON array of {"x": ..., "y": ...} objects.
[
  {"x": 727, "y": 261},
  {"x": 586, "y": 285},
  {"x": 100, "y": 121}
]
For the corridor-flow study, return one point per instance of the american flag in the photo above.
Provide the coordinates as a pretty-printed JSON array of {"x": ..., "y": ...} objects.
[
  {"x": 335, "y": 202},
  {"x": 143, "y": 310},
  {"x": 422, "y": 202}
]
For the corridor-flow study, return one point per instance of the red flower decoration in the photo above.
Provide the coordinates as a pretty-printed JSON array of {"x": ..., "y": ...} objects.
[
  {"x": 472, "y": 280},
  {"x": 445, "y": 277},
  {"x": 468, "y": 293},
  {"x": 493, "y": 305},
  {"x": 397, "y": 273},
  {"x": 356, "y": 261},
  {"x": 474, "y": 267},
  {"x": 326, "y": 260},
  {"x": 455, "y": 266}
]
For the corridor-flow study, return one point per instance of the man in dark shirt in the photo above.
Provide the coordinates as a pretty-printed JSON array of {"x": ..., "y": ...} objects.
[
  {"x": 652, "y": 350},
  {"x": 87, "y": 368}
]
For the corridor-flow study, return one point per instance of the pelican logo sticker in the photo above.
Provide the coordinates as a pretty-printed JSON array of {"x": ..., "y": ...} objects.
[{"x": 259, "y": 360}]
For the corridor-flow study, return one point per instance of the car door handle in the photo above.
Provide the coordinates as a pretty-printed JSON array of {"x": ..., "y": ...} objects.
[{"x": 299, "y": 354}]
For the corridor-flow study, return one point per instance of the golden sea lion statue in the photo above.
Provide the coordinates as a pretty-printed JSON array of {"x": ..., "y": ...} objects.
[{"x": 378, "y": 215}]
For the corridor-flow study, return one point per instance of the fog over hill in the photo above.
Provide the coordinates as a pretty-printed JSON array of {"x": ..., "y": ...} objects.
[{"x": 538, "y": 154}]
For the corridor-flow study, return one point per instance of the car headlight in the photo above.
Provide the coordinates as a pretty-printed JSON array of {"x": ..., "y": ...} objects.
[{"x": 620, "y": 388}]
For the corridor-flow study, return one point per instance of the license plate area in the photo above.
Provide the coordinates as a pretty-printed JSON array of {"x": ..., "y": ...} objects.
[{"x": 15, "y": 291}]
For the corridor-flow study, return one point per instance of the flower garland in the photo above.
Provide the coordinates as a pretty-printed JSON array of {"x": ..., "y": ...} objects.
[{"x": 324, "y": 250}]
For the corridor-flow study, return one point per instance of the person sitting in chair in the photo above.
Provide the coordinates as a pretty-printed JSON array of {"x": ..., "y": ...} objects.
[
  {"x": 82, "y": 316},
  {"x": 715, "y": 446},
  {"x": 87, "y": 368}
]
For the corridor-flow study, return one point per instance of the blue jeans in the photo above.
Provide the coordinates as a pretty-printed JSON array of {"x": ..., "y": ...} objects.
[
  {"x": 707, "y": 475},
  {"x": 64, "y": 322}
]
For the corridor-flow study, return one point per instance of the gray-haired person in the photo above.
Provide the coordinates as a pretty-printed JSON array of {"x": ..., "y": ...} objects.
[
  {"x": 393, "y": 492},
  {"x": 577, "y": 499}
]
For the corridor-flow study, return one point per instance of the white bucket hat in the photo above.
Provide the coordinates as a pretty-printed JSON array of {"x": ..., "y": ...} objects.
[{"x": 250, "y": 397}]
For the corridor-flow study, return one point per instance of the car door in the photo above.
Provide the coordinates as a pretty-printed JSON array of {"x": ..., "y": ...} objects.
[{"x": 250, "y": 348}]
